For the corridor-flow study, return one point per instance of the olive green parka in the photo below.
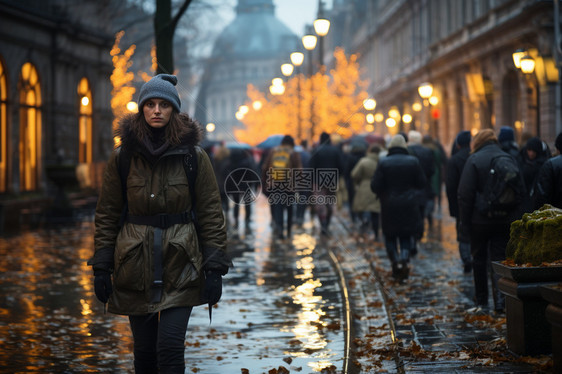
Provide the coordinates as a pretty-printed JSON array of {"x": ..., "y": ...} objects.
[{"x": 154, "y": 187}]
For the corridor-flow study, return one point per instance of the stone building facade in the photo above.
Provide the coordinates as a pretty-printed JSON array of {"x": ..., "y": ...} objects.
[
  {"x": 464, "y": 49},
  {"x": 55, "y": 66}
]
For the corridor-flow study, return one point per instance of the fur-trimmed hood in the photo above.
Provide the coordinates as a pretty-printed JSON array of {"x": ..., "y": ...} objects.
[{"x": 191, "y": 132}]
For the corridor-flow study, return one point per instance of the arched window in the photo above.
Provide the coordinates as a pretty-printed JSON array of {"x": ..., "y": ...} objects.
[
  {"x": 85, "y": 122},
  {"x": 30, "y": 128},
  {"x": 3, "y": 128}
]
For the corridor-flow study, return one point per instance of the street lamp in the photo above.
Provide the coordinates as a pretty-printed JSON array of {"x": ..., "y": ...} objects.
[
  {"x": 517, "y": 56},
  {"x": 309, "y": 43},
  {"x": 425, "y": 90},
  {"x": 297, "y": 59},
  {"x": 527, "y": 66},
  {"x": 287, "y": 69},
  {"x": 321, "y": 27},
  {"x": 369, "y": 104}
]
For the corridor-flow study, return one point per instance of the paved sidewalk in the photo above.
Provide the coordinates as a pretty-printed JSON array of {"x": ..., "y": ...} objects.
[{"x": 433, "y": 325}]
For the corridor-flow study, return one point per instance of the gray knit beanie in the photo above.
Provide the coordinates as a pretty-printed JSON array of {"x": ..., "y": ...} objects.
[{"x": 162, "y": 86}]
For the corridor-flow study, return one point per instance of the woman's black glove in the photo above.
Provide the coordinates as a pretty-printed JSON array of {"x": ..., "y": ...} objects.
[
  {"x": 102, "y": 285},
  {"x": 213, "y": 287}
]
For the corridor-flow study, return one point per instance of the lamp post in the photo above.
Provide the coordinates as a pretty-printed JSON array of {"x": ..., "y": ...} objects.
[
  {"x": 297, "y": 59},
  {"x": 309, "y": 43},
  {"x": 425, "y": 90},
  {"x": 321, "y": 27},
  {"x": 526, "y": 64}
]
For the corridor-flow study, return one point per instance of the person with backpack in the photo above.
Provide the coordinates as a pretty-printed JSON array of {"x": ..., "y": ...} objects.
[
  {"x": 490, "y": 195},
  {"x": 278, "y": 176},
  {"x": 159, "y": 228}
]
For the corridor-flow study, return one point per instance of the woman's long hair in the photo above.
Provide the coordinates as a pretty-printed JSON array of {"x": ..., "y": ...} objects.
[{"x": 174, "y": 129}]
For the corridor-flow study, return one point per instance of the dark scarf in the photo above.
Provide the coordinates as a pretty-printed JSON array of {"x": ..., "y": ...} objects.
[{"x": 156, "y": 144}]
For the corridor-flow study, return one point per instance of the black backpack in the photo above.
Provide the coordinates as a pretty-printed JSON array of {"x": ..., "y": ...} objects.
[{"x": 504, "y": 190}]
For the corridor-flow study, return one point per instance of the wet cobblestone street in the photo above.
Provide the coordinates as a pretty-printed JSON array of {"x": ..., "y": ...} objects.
[{"x": 282, "y": 307}]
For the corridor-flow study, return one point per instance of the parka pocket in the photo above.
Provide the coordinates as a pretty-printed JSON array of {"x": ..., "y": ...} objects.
[
  {"x": 181, "y": 269},
  {"x": 130, "y": 264}
]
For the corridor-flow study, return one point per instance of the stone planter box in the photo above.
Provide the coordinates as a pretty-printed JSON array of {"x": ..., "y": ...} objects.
[
  {"x": 553, "y": 295},
  {"x": 528, "y": 332}
]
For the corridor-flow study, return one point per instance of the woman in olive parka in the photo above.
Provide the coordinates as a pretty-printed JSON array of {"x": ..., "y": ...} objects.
[{"x": 150, "y": 262}]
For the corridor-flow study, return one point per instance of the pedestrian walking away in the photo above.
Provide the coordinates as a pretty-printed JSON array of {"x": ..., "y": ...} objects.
[
  {"x": 328, "y": 165},
  {"x": 278, "y": 172},
  {"x": 487, "y": 226},
  {"x": 549, "y": 180},
  {"x": 455, "y": 166},
  {"x": 399, "y": 182},
  {"x": 366, "y": 204},
  {"x": 159, "y": 228}
]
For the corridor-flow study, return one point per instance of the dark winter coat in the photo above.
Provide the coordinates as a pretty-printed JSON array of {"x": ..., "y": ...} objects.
[
  {"x": 154, "y": 188},
  {"x": 473, "y": 179},
  {"x": 548, "y": 189},
  {"x": 398, "y": 182},
  {"x": 327, "y": 156},
  {"x": 427, "y": 162},
  {"x": 455, "y": 166}
]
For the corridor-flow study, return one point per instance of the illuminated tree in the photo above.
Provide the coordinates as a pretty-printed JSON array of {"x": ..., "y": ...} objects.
[
  {"x": 328, "y": 102},
  {"x": 121, "y": 80}
]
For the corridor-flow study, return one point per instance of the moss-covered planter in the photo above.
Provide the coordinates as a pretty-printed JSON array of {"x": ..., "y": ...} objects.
[
  {"x": 533, "y": 256},
  {"x": 553, "y": 295},
  {"x": 528, "y": 332},
  {"x": 536, "y": 238}
]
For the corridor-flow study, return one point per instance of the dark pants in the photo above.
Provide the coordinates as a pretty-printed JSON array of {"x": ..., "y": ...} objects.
[
  {"x": 236, "y": 212},
  {"x": 278, "y": 212},
  {"x": 406, "y": 244},
  {"x": 464, "y": 247},
  {"x": 487, "y": 244},
  {"x": 159, "y": 341}
]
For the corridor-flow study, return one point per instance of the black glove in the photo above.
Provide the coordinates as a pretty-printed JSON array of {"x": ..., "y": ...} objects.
[
  {"x": 102, "y": 285},
  {"x": 213, "y": 287}
]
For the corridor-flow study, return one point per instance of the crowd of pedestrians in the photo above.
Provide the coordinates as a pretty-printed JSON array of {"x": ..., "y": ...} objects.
[{"x": 393, "y": 189}]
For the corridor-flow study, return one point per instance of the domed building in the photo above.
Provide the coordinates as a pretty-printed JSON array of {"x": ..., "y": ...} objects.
[{"x": 250, "y": 50}]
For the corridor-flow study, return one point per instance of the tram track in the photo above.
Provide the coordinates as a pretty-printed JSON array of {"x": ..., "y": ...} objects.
[{"x": 347, "y": 304}]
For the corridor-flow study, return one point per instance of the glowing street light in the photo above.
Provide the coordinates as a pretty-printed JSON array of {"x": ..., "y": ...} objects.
[
  {"x": 434, "y": 100},
  {"x": 425, "y": 90},
  {"x": 309, "y": 42},
  {"x": 297, "y": 58},
  {"x": 369, "y": 104},
  {"x": 131, "y": 107},
  {"x": 370, "y": 118},
  {"x": 287, "y": 69},
  {"x": 210, "y": 127},
  {"x": 527, "y": 64},
  {"x": 407, "y": 118},
  {"x": 390, "y": 122},
  {"x": 517, "y": 56},
  {"x": 257, "y": 105},
  {"x": 321, "y": 26}
]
